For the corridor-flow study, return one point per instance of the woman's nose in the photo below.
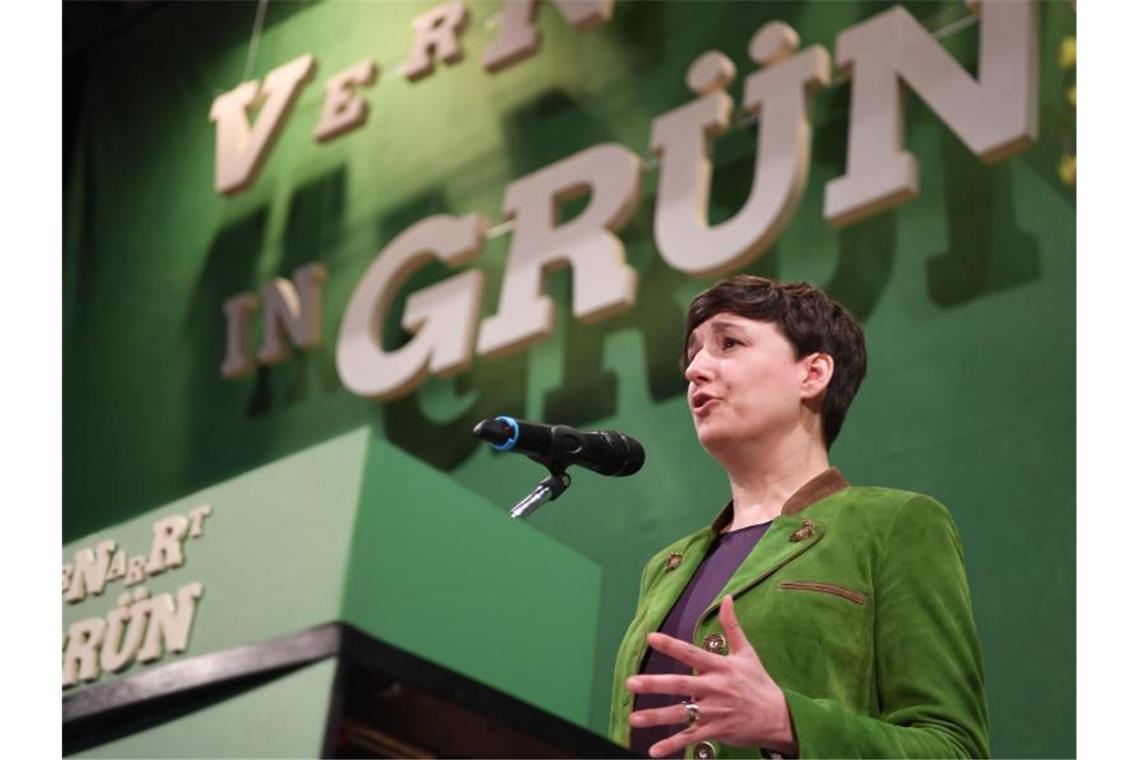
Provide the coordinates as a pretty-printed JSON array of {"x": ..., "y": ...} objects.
[{"x": 698, "y": 370}]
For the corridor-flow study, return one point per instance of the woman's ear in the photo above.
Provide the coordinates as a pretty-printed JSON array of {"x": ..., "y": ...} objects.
[{"x": 818, "y": 369}]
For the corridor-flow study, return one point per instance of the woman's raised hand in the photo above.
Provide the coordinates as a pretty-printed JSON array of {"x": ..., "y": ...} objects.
[{"x": 737, "y": 702}]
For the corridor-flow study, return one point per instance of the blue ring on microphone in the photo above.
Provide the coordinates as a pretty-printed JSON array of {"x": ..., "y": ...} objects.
[{"x": 510, "y": 443}]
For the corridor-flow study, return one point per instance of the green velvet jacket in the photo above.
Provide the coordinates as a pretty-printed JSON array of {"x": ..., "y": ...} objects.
[{"x": 856, "y": 602}]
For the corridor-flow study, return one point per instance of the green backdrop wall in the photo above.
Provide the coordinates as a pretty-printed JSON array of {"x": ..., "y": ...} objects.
[{"x": 967, "y": 293}]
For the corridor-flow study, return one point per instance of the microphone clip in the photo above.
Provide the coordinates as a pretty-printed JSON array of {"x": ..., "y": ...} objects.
[{"x": 548, "y": 489}]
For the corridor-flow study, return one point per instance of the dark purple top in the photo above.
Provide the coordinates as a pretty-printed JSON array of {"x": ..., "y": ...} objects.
[{"x": 725, "y": 555}]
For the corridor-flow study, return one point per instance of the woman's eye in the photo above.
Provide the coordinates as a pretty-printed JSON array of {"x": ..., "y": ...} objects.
[{"x": 729, "y": 343}]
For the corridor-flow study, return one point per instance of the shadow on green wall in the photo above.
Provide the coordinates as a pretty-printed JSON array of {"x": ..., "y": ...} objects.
[
  {"x": 312, "y": 228},
  {"x": 866, "y": 249},
  {"x": 639, "y": 28},
  {"x": 231, "y": 266},
  {"x": 988, "y": 252},
  {"x": 316, "y": 219},
  {"x": 499, "y": 388}
]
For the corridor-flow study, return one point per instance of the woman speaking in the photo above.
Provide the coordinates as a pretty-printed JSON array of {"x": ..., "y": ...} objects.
[{"x": 811, "y": 618}]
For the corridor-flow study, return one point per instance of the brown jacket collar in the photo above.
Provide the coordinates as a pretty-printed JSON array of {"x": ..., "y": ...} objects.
[{"x": 824, "y": 484}]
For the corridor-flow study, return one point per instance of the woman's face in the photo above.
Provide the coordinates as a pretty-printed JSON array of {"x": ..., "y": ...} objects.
[{"x": 745, "y": 383}]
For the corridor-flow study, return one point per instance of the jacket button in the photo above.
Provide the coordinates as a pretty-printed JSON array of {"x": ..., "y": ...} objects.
[
  {"x": 806, "y": 530},
  {"x": 714, "y": 643},
  {"x": 704, "y": 750},
  {"x": 673, "y": 562}
]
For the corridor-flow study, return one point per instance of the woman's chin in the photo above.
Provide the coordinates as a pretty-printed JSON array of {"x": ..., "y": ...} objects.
[{"x": 711, "y": 438}]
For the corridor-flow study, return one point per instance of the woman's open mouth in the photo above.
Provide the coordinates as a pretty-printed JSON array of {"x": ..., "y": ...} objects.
[{"x": 702, "y": 402}]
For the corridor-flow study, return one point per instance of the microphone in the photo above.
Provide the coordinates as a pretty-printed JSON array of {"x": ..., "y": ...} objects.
[{"x": 558, "y": 446}]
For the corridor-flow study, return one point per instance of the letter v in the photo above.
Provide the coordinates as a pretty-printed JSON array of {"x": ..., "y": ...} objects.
[{"x": 240, "y": 150}]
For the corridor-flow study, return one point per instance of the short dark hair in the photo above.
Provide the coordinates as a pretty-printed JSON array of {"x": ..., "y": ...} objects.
[{"x": 811, "y": 321}]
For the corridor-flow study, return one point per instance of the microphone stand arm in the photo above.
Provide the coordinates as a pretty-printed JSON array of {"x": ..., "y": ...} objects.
[{"x": 548, "y": 489}]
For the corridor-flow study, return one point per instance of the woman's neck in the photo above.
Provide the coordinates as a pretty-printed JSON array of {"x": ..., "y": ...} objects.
[{"x": 762, "y": 482}]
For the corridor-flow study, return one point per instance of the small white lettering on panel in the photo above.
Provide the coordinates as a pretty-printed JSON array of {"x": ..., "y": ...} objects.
[
  {"x": 90, "y": 571},
  {"x": 166, "y": 547}
]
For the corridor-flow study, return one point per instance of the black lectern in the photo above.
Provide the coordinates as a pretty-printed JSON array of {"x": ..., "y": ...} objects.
[{"x": 385, "y": 702}]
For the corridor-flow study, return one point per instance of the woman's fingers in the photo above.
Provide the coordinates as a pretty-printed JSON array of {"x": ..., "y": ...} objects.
[
  {"x": 685, "y": 652},
  {"x": 673, "y": 715},
  {"x": 733, "y": 633},
  {"x": 688, "y": 686}
]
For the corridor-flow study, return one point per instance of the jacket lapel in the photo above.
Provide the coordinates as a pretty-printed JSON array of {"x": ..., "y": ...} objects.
[
  {"x": 787, "y": 539},
  {"x": 672, "y": 583}
]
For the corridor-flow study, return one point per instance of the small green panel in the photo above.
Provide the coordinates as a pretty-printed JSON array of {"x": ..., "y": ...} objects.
[
  {"x": 271, "y": 556},
  {"x": 438, "y": 570},
  {"x": 283, "y": 718}
]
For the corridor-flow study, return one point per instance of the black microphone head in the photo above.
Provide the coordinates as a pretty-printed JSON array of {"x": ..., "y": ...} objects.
[
  {"x": 624, "y": 455},
  {"x": 606, "y": 452}
]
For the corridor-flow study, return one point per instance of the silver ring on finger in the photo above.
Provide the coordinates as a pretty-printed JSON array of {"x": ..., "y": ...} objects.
[{"x": 694, "y": 712}]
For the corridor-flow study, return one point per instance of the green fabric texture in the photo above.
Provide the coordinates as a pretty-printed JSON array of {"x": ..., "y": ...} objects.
[{"x": 893, "y": 670}]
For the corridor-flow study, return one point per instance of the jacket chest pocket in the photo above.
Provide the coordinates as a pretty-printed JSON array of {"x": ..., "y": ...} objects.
[
  {"x": 851, "y": 595},
  {"x": 816, "y": 634}
]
